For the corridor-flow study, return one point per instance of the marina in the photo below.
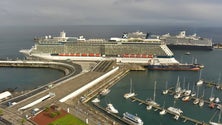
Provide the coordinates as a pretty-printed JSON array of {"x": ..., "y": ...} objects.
[{"x": 185, "y": 118}]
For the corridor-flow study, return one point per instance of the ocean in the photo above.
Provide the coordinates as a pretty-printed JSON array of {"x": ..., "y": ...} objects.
[{"x": 14, "y": 38}]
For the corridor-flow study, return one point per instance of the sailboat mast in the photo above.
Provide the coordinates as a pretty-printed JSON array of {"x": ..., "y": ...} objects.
[
  {"x": 200, "y": 74},
  {"x": 130, "y": 85},
  {"x": 154, "y": 95},
  {"x": 211, "y": 94},
  {"x": 219, "y": 116},
  {"x": 219, "y": 78}
]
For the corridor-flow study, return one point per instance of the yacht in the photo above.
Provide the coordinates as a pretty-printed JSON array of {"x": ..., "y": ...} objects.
[
  {"x": 152, "y": 102},
  {"x": 187, "y": 53},
  {"x": 178, "y": 88},
  {"x": 188, "y": 91},
  {"x": 200, "y": 82},
  {"x": 217, "y": 100},
  {"x": 135, "y": 120},
  {"x": 175, "y": 110},
  {"x": 110, "y": 108},
  {"x": 163, "y": 112},
  {"x": 177, "y": 95},
  {"x": 196, "y": 101},
  {"x": 193, "y": 93},
  {"x": 149, "y": 107},
  {"x": 96, "y": 100},
  {"x": 130, "y": 94},
  {"x": 176, "y": 117},
  {"x": 212, "y": 105},
  {"x": 186, "y": 98},
  {"x": 201, "y": 102},
  {"x": 166, "y": 90},
  {"x": 211, "y": 99},
  {"x": 105, "y": 92}
]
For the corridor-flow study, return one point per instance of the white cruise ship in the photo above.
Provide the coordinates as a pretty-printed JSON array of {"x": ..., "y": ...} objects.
[{"x": 79, "y": 48}]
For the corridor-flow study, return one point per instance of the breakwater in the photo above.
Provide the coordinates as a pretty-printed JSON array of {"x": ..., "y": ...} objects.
[{"x": 66, "y": 68}]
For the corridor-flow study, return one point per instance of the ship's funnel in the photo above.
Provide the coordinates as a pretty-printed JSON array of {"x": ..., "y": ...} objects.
[
  {"x": 62, "y": 34},
  {"x": 125, "y": 36}
]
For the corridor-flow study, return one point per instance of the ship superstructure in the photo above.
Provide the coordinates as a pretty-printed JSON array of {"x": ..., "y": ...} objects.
[{"x": 135, "y": 50}]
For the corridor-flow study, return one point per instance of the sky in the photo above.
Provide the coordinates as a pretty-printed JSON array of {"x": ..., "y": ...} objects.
[{"x": 111, "y": 12}]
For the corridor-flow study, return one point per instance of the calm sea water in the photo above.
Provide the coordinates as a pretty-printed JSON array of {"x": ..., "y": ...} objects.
[{"x": 12, "y": 39}]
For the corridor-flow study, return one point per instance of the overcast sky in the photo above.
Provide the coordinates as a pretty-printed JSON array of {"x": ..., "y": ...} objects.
[{"x": 111, "y": 12}]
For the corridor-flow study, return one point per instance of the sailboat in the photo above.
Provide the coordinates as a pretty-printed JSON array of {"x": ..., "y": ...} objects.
[
  {"x": 188, "y": 91},
  {"x": 193, "y": 92},
  {"x": 200, "y": 81},
  {"x": 166, "y": 90},
  {"x": 197, "y": 100},
  {"x": 217, "y": 100},
  {"x": 110, "y": 108},
  {"x": 177, "y": 89},
  {"x": 163, "y": 111},
  {"x": 218, "y": 122},
  {"x": 201, "y": 103},
  {"x": 130, "y": 94},
  {"x": 175, "y": 110},
  {"x": 186, "y": 98},
  {"x": 96, "y": 100},
  {"x": 218, "y": 84},
  {"x": 184, "y": 89},
  {"x": 152, "y": 102},
  {"x": 211, "y": 99}
]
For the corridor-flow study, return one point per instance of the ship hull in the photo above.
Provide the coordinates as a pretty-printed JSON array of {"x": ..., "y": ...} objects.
[
  {"x": 190, "y": 67},
  {"x": 189, "y": 47}
]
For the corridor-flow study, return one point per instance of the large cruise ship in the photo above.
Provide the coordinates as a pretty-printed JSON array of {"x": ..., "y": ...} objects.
[
  {"x": 125, "y": 50},
  {"x": 181, "y": 41}
]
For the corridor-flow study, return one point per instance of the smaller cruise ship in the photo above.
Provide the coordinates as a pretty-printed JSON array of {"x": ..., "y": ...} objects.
[
  {"x": 134, "y": 120},
  {"x": 182, "y": 41}
]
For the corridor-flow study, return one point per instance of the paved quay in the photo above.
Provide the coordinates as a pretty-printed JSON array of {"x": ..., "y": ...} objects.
[{"x": 61, "y": 90}]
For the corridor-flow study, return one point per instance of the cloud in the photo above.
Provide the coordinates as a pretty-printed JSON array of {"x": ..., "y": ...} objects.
[{"x": 102, "y": 12}]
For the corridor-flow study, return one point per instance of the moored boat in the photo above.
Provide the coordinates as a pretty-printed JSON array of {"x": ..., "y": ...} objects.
[
  {"x": 212, "y": 105},
  {"x": 135, "y": 120},
  {"x": 166, "y": 90},
  {"x": 163, "y": 112},
  {"x": 175, "y": 110},
  {"x": 110, "y": 108},
  {"x": 104, "y": 92},
  {"x": 150, "y": 101},
  {"x": 187, "y": 53},
  {"x": 196, "y": 101},
  {"x": 201, "y": 102},
  {"x": 186, "y": 98},
  {"x": 96, "y": 100},
  {"x": 175, "y": 67},
  {"x": 130, "y": 94}
]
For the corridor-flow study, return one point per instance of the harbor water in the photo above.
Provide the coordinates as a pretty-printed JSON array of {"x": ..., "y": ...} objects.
[
  {"x": 143, "y": 86},
  {"x": 12, "y": 39}
]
